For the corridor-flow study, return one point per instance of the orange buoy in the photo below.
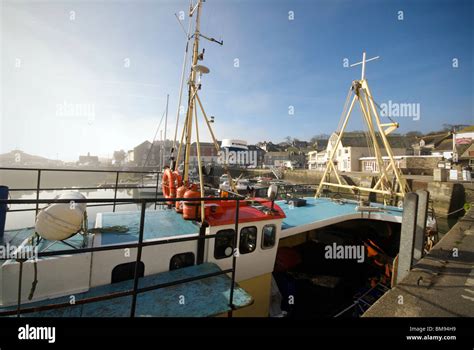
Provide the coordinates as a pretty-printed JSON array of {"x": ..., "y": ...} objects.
[
  {"x": 178, "y": 178},
  {"x": 168, "y": 184},
  {"x": 192, "y": 209},
  {"x": 180, "y": 194}
]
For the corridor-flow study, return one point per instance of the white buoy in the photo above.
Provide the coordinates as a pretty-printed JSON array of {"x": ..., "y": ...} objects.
[{"x": 60, "y": 221}]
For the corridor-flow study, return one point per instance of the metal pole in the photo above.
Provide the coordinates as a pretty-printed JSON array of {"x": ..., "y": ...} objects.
[
  {"x": 20, "y": 277},
  {"x": 38, "y": 182},
  {"x": 139, "y": 259},
  {"x": 201, "y": 180},
  {"x": 166, "y": 126},
  {"x": 234, "y": 257},
  {"x": 193, "y": 90},
  {"x": 116, "y": 186},
  {"x": 157, "y": 185}
]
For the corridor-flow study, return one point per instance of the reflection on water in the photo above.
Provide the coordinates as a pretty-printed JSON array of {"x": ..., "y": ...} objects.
[{"x": 16, "y": 220}]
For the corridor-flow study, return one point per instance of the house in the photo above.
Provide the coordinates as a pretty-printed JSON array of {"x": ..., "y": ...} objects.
[
  {"x": 260, "y": 154},
  {"x": 268, "y": 146},
  {"x": 317, "y": 160},
  {"x": 277, "y": 159},
  {"x": 142, "y": 155},
  {"x": 352, "y": 147},
  {"x": 88, "y": 160},
  {"x": 467, "y": 157},
  {"x": 409, "y": 164},
  {"x": 209, "y": 154},
  {"x": 146, "y": 154},
  {"x": 130, "y": 158},
  {"x": 426, "y": 144},
  {"x": 444, "y": 148},
  {"x": 465, "y": 136}
]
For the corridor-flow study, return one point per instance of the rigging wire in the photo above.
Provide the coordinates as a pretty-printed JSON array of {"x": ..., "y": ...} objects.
[
  {"x": 185, "y": 62},
  {"x": 153, "y": 141}
]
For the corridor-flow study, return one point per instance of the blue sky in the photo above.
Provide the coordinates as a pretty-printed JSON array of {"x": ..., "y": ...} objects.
[{"x": 49, "y": 60}]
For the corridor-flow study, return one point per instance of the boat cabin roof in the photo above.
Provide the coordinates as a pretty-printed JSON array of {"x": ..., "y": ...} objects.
[{"x": 250, "y": 210}]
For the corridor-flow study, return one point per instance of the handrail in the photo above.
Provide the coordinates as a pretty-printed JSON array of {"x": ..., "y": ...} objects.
[
  {"x": 117, "y": 173},
  {"x": 84, "y": 170}
]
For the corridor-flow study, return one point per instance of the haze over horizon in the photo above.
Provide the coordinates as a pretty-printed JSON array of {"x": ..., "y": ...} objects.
[{"x": 80, "y": 77}]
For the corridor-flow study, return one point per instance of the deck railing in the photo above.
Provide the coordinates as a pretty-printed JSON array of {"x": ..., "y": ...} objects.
[
  {"x": 139, "y": 245},
  {"x": 116, "y": 187}
]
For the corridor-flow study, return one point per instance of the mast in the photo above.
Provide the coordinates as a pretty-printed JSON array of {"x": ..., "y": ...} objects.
[
  {"x": 192, "y": 91},
  {"x": 361, "y": 93},
  {"x": 164, "y": 137}
]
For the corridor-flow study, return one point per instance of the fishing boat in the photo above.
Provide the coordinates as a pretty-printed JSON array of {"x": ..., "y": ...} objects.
[{"x": 221, "y": 255}]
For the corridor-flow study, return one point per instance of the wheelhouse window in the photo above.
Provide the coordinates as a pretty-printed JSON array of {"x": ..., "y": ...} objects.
[
  {"x": 248, "y": 240},
  {"x": 224, "y": 243},
  {"x": 179, "y": 261},
  {"x": 268, "y": 236},
  {"x": 126, "y": 271}
]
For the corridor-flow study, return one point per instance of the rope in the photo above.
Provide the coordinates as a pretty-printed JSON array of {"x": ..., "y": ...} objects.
[
  {"x": 35, "y": 280},
  {"x": 185, "y": 62},
  {"x": 344, "y": 110},
  {"x": 454, "y": 211},
  {"x": 110, "y": 229}
]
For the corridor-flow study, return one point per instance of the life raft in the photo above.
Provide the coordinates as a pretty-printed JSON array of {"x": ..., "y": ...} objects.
[{"x": 170, "y": 182}]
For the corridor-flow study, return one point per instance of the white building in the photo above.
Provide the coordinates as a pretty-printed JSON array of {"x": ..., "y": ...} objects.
[{"x": 352, "y": 147}]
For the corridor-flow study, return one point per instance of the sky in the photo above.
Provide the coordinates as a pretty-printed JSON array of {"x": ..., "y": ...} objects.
[{"x": 92, "y": 76}]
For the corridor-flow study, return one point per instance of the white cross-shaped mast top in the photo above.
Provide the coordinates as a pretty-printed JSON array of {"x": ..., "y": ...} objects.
[{"x": 363, "y": 62}]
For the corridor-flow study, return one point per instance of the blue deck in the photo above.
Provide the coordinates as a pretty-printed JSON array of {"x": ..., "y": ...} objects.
[
  {"x": 158, "y": 224},
  {"x": 202, "y": 298},
  {"x": 324, "y": 209}
]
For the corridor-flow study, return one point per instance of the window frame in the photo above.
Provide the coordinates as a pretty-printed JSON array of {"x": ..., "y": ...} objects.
[
  {"x": 184, "y": 254},
  {"x": 263, "y": 236},
  {"x": 215, "y": 243},
  {"x": 256, "y": 238}
]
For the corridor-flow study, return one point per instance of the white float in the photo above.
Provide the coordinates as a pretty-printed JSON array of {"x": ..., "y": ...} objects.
[{"x": 60, "y": 221}]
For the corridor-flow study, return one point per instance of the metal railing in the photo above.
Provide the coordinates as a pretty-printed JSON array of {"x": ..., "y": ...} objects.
[
  {"x": 116, "y": 187},
  {"x": 136, "y": 290}
]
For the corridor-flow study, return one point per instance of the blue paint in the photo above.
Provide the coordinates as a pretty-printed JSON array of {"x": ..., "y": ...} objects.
[
  {"x": 318, "y": 209},
  {"x": 158, "y": 224},
  {"x": 3, "y": 210},
  {"x": 202, "y": 298}
]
